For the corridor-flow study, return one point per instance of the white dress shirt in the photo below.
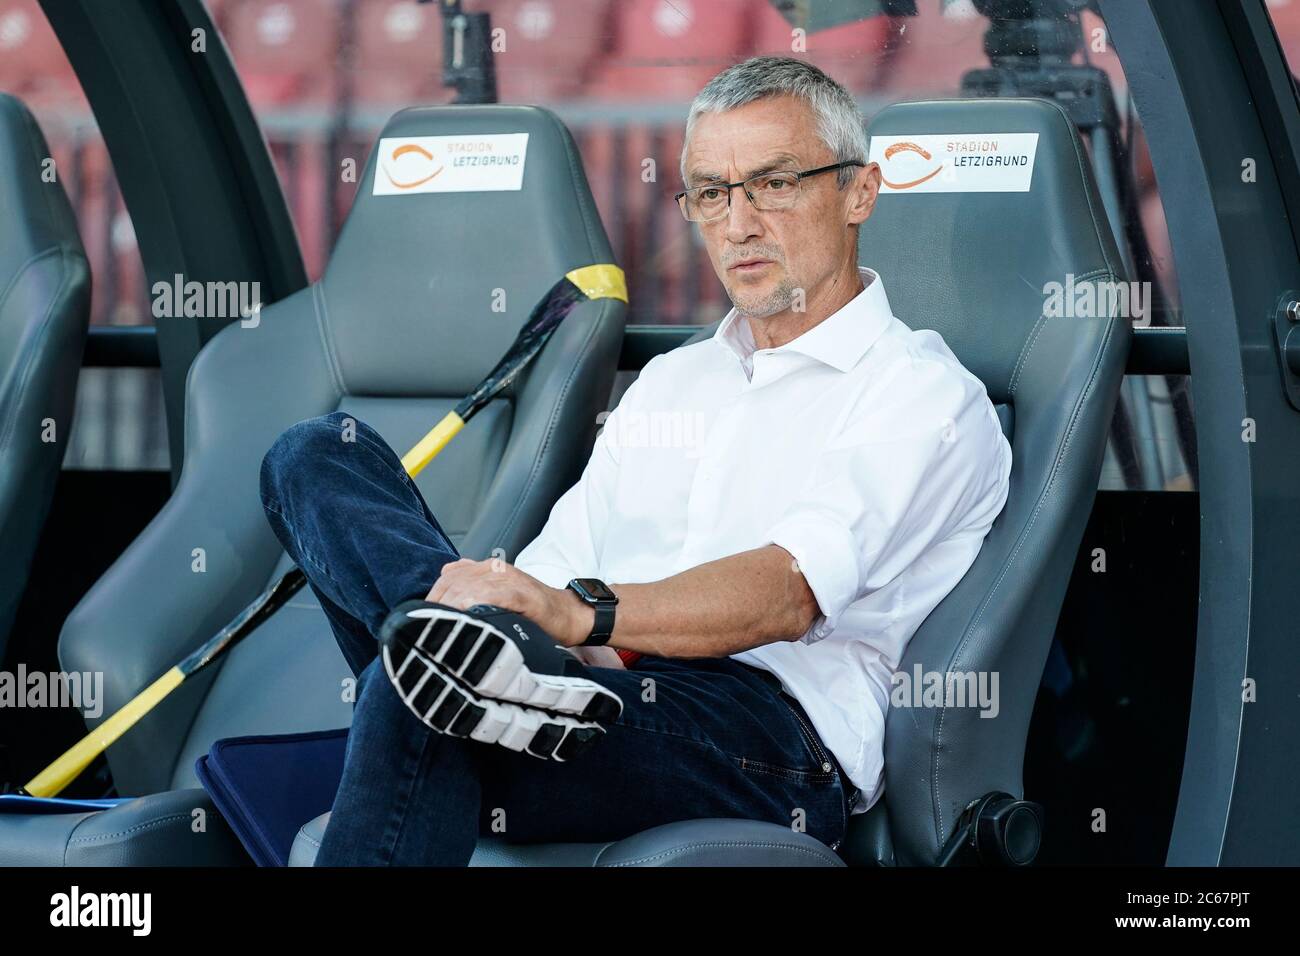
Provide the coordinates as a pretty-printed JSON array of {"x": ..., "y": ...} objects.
[{"x": 862, "y": 447}]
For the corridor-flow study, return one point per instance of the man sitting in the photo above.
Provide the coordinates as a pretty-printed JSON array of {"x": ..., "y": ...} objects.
[{"x": 831, "y": 477}]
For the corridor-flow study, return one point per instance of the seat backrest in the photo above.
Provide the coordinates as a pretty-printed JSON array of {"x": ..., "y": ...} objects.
[
  {"x": 44, "y": 312},
  {"x": 422, "y": 295},
  {"x": 994, "y": 273}
]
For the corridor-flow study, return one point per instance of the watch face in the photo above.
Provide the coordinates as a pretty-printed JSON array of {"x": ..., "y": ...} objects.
[{"x": 596, "y": 589}]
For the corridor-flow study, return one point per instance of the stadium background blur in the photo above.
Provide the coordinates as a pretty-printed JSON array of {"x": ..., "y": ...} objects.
[{"x": 324, "y": 75}]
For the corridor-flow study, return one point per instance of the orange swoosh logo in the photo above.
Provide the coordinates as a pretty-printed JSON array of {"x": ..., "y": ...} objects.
[
  {"x": 891, "y": 151},
  {"x": 401, "y": 151}
]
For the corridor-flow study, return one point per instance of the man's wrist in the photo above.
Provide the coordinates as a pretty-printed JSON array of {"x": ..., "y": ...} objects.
[{"x": 581, "y": 618}]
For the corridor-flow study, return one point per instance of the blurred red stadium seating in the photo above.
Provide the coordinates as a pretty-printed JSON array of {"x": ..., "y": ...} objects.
[
  {"x": 286, "y": 51},
  {"x": 851, "y": 53},
  {"x": 217, "y": 9},
  {"x": 1286, "y": 22},
  {"x": 551, "y": 46},
  {"x": 928, "y": 53},
  {"x": 297, "y": 58},
  {"x": 32, "y": 64},
  {"x": 399, "y": 54},
  {"x": 668, "y": 49}
]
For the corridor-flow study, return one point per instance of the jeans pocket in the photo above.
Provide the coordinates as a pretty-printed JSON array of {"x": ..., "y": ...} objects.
[
  {"x": 817, "y": 752},
  {"x": 813, "y": 767}
]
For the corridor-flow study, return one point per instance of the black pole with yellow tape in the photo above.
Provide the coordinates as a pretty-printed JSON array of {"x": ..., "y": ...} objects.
[{"x": 581, "y": 285}]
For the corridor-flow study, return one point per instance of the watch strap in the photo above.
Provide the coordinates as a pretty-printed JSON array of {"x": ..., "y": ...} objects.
[{"x": 603, "y": 628}]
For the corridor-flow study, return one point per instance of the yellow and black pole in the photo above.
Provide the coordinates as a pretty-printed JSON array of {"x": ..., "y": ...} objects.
[{"x": 586, "y": 284}]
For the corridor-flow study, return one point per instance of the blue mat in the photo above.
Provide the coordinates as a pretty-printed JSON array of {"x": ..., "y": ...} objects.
[{"x": 268, "y": 787}]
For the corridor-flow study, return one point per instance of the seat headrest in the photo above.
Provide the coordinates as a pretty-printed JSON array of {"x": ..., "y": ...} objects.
[
  {"x": 977, "y": 265},
  {"x": 33, "y": 206},
  {"x": 451, "y": 242}
]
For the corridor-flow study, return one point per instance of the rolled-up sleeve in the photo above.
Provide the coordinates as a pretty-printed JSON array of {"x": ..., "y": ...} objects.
[{"x": 914, "y": 461}]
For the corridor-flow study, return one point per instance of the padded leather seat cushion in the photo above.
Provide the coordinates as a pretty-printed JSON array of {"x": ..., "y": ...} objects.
[
  {"x": 706, "y": 842},
  {"x": 173, "y": 828}
]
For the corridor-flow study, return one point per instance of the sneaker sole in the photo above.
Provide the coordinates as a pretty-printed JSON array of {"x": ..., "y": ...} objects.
[
  {"x": 486, "y": 662},
  {"x": 442, "y": 704}
]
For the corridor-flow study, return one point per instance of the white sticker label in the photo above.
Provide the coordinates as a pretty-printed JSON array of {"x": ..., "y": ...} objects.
[
  {"x": 450, "y": 164},
  {"x": 955, "y": 163}
]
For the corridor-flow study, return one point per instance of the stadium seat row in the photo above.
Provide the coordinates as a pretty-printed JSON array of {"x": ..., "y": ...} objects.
[{"x": 310, "y": 53}]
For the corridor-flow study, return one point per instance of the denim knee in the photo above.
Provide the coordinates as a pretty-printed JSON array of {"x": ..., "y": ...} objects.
[{"x": 291, "y": 456}]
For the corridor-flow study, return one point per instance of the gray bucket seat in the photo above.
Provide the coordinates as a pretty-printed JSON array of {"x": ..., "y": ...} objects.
[
  {"x": 44, "y": 313},
  {"x": 398, "y": 329}
]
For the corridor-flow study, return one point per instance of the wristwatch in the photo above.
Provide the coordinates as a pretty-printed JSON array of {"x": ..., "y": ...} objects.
[{"x": 596, "y": 593}]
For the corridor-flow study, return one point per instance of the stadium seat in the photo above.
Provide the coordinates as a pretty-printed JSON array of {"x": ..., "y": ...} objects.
[
  {"x": 398, "y": 329},
  {"x": 1054, "y": 382},
  {"x": 44, "y": 312}
]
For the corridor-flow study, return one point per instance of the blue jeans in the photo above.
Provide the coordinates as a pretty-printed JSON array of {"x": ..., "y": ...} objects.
[{"x": 702, "y": 737}]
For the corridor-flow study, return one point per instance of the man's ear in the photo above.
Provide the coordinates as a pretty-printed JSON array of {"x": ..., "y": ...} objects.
[{"x": 863, "y": 192}]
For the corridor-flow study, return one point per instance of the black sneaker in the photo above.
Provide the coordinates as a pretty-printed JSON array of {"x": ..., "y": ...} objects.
[{"x": 494, "y": 676}]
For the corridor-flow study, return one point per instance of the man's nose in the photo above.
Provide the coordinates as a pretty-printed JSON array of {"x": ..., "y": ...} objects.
[{"x": 743, "y": 220}]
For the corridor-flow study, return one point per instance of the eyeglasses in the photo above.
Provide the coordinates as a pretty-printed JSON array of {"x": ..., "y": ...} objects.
[{"x": 766, "y": 191}]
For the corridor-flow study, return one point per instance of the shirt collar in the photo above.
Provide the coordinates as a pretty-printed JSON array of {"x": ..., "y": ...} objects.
[{"x": 839, "y": 340}]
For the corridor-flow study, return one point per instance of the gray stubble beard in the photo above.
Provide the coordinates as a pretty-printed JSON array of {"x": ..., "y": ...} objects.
[{"x": 778, "y": 300}]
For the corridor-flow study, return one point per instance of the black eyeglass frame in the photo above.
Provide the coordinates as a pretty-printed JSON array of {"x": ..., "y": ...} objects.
[{"x": 800, "y": 177}]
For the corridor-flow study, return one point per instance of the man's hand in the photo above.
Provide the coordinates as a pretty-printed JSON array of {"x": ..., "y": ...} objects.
[{"x": 558, "y": 611}]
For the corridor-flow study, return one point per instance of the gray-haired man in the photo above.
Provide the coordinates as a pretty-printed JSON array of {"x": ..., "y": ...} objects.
[{"x": 834, "y": 478}]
